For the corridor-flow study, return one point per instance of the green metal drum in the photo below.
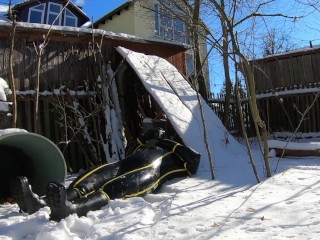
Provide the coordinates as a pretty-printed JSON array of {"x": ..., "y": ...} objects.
[{"x": 31, "y": 155}]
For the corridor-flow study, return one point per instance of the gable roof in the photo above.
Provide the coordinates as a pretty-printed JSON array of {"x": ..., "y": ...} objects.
[
  {"x": 22, "y": 4},
  {"x": 108, "y": 16}
]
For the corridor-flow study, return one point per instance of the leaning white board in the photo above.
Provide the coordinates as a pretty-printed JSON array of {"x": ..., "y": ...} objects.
[{"x": 178, "y": 100}]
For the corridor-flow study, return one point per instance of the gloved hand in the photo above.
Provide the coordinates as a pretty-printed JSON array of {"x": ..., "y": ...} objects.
[{"x": 154, "y": 133}]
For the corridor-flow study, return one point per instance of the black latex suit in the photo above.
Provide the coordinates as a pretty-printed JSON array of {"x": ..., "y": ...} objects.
[{"x": 146, "y": 168}]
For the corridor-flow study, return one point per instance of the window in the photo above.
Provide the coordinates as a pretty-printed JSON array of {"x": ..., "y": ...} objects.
[
  {"x": 36, "y": 14},
  {"x": 167, "y": 24},
  {"x": 189, "y": 64},
  {"x": 70, "y": 19},
  {"x": 53, "y": 12}
]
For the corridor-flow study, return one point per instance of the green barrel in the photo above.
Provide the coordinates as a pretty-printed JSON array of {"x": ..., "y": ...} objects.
[{"x": 31, "y": 155}]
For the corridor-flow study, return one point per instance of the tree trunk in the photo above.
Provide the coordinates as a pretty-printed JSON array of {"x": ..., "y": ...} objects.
[
  {"x": 199, "y": 64},
  {"x": 11, "y": 74},
  {"x": 248, "y": 75},
  {"x": 225, "y": 57},
  {"x": 243, "y": 129}
]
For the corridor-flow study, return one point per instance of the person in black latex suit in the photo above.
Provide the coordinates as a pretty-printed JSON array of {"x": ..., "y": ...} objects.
[{"x": 151, "y": 161}]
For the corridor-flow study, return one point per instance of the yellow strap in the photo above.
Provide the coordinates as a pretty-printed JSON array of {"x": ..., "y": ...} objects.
[
  {"x": 105, "y": 194},
  {"x": 185, "y": 167},
  {"x": 155, "y": 184},
  {"x": 114, "y": 179},
  {"x": 90, "y": 173},
  {"x": 78, "y": 192},
  {"x": 140, "y": 143},
  {"x": 142, "y": 168}
]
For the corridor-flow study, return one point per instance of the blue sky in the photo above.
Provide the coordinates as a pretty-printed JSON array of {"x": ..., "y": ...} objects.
[{"x": 98, "y": 8}]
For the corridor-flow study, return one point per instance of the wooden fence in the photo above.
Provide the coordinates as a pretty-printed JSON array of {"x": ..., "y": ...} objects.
[
  {"x": 233, "y": 125},
  {"x": 296, "y": 68},
  {"x": 285, "y": 110}
]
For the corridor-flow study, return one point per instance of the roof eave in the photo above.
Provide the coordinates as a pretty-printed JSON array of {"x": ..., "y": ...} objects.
[{"x": 109, "y": 15}]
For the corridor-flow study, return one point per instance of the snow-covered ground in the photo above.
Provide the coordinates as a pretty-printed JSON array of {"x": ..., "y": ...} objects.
[{"x": 285, "y": 206}]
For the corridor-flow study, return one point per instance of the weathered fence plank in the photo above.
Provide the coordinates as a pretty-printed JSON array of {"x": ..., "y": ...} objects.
[
  {"x": 287, "y": 69},
  {"x": 281, "y": 113}
]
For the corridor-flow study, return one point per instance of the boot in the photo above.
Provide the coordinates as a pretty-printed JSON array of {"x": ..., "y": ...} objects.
[
  {"x": 27, "y": 201},
  {"x": 61, "y": 208}
]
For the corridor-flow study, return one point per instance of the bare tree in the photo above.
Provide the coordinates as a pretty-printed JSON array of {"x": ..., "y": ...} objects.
[
  {"x": 40, "y": 48},
  {"x": 231, "y": 18},
  {"x": 11, "y": 74},
  {"x": 200, "y": 78},
  {"x": 275, "y": 42}
]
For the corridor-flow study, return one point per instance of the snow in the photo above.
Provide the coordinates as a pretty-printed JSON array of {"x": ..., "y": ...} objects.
[
  {"x": 84, "y": 30},
  {"x": 287, "y": 92},
  {"x": 10, "y": 130},
  {"x": 285, "y": 206},
  {"x": 3, "y": 10},
  {"x": 4, "y": 89},
  {"x": 294, "y": 145},
  {"x": 178, "y": 100},
  {"x": 234, "y": 206}
]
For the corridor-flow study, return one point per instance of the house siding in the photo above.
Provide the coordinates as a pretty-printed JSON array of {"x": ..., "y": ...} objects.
[
  {"x": 144, "y": 19},
  {"x": 120, "y": 23}
]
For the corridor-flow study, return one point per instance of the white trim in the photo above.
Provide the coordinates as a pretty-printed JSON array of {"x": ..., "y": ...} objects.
[
  {"x": 37, "y": 10},
  {"x": 54, "y": 13},
  {"x": 72, "y": 17}
]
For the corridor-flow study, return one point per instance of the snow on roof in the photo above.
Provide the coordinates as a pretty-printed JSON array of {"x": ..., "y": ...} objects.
[
  {"x": 3, "y": 12},
  {"x": 295, "y": 52},
  {"x": 3, "y": 9},
  {"x": 83, "y": 30}
]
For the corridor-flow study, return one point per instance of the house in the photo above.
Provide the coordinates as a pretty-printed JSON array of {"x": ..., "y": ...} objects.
[
  {"x": 150, "y": 19},
  {"x": 46, "y": 12}
]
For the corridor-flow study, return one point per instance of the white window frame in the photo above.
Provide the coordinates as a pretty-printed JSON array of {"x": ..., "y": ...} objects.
[
  {"x": 58, "y": 23},
  {"x": 37, "y": 10},
  {"x": 74, "y": 17},
  {"x": 171, "y": 32}
]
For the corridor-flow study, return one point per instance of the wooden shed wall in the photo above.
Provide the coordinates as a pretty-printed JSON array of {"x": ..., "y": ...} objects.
[{"x": 69, "y": 60}]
